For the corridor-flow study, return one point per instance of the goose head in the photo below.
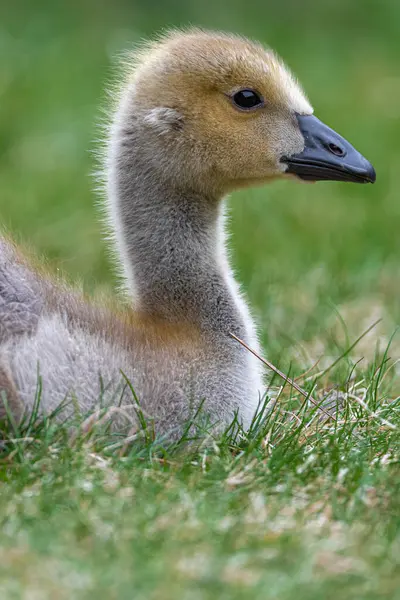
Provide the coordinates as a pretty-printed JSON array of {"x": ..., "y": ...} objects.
[{"x": 219, "y": 112}]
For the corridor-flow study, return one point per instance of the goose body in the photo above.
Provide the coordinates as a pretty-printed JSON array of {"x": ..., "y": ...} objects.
[{"x": 198, "y": 115}]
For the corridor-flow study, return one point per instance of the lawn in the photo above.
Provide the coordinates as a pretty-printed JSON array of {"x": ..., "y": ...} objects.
[{"x": 304, "y": 506}]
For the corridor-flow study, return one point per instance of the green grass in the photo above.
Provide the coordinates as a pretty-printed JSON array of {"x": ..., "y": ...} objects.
[{"x": 298, "y": 508}]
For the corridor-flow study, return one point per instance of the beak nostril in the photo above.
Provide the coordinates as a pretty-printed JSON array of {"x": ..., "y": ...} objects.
[{"x": 336, "y": 150}]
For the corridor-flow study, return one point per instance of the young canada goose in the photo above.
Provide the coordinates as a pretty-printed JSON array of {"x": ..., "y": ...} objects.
[{"x": 199, "y": 115}]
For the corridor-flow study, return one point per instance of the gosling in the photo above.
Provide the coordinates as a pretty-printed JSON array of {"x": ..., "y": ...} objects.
[{"x": 199, "y": 114}]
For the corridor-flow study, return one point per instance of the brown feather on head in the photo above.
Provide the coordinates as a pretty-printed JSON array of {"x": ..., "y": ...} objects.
[
  {"x": 235, "y": 113},
  {"x": 184, "y": 87}
]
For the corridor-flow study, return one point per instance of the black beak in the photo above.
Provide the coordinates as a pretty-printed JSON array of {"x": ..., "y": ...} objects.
[{"x": 327, "y": 155}]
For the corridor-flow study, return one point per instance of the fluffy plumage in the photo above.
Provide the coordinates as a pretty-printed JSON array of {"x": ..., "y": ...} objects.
[{"x": 176, "y": 147}]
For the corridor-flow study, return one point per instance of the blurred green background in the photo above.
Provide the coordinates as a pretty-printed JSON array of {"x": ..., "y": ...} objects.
[{"x": 304, "y": 252}]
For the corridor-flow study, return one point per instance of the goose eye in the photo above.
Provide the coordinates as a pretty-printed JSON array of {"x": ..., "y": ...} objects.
[{"x": 247, "y": 99}]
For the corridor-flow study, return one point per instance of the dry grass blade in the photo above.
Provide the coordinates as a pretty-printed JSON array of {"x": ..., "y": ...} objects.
[
  {"x": 23, "y": 439},
  {"x": 97, "y": 419},
  {"x": 349, "y": 349},
  {"x": 283, "y": 376},
  {"x": 314, "y": 366}
]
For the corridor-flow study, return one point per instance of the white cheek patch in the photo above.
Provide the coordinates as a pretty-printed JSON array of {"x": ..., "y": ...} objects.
[
  {"x": 295, "y": 98},
  {"x": 299, "y": 103},
  {"x": 163, "y": 119}
]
